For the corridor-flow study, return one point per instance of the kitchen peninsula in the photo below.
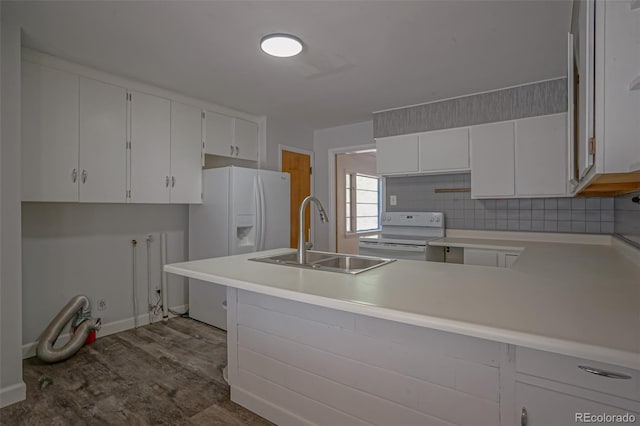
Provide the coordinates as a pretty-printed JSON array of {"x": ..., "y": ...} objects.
[{"x": 416, "y": 342}]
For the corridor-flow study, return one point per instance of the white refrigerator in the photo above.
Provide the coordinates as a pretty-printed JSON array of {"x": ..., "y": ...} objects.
[{"x": 242, "y": 211}]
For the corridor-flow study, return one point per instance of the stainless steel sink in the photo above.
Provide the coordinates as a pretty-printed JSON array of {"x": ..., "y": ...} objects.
[{"x": 323, "y": 261}]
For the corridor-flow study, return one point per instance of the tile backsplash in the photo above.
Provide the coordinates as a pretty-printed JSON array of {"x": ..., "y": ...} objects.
[
  {"x": 627, "y": 218},
  {"x": 580, "y": 215}
]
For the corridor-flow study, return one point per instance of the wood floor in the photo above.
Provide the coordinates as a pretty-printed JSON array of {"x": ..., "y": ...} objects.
[{"x": 164, "y": 373}]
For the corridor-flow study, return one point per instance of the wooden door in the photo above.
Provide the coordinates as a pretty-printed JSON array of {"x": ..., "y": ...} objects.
[{"x": 299, "y": 166}]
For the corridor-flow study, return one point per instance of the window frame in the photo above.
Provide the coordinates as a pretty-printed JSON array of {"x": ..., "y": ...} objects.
[{"x": 351, "y": 217}]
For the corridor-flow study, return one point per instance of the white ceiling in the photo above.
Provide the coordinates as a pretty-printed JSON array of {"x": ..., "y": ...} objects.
[{"x": 359, "y": 56}]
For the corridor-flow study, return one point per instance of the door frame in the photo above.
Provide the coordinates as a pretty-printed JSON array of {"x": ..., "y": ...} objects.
[
  {"x": 313, "y": 166},
  {"x": 332, "y": 185}
]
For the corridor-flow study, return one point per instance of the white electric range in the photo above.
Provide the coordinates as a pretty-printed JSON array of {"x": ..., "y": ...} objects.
[{"x": 404, "y": 235}]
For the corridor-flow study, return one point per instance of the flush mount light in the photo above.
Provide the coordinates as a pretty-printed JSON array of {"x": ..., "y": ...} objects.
[{"x": 281, "y": 45}]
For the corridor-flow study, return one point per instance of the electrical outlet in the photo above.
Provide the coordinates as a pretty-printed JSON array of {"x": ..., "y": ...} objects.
[
  {"x": 393, "y": 200},
  {"x": 102, "y": 304}
]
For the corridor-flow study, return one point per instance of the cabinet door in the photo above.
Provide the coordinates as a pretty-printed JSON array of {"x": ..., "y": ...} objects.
[
  {"x": 545, "y": 407},
  {"x": 492, "y": 161},
  {"x": 482, "y": 257},
  {"x": 397, "y": 154},
  {"x": 103, "y": 153},
  {"x": 583, "y": 29},
  {"x": 150, "y": 148},
  {"x": 49, "y": 134},
  {"x": 246, "y": 139},
  {"x": 218, "y": 134},
  {"x": 541, "y": 155},
  {"x": 444, "y": 150},
  {"x": 186, "y": 154}
]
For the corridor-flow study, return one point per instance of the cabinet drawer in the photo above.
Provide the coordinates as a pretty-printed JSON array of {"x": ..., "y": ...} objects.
[
  {"x": 546, "y": 407},
  {"x": 566, "y": 369}
]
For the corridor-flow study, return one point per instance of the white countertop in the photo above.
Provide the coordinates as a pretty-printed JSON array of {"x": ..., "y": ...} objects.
[{"x": 580, "y": 300}]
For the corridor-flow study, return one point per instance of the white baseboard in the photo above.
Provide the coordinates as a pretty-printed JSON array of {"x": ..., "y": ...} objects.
[
  {"x": 29, "y": 349},
  {"x": 12, "y": 394}
]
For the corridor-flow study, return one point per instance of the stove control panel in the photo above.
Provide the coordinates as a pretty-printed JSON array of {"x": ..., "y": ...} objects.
[{"x": 420, "y": 219}]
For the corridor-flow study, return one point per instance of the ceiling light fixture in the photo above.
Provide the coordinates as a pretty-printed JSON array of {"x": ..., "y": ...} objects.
[{"x": 281, "y": 45}]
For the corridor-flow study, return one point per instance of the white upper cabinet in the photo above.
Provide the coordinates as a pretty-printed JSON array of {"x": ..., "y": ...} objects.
[
  {"x": 186, "y": 154},
  {"x": 150, "y": 148},
  {"x": 246, "y": 139},
  {"x": 49, "y": 134},
  {"x": 103, "y": 154},
  {"x": 444, "y": 150},
  {"x": 492, "y": 160},
  {"x": 230, "y": 137},
  {"x": 541, "y": 155},
  {"x": 520, "y": 158},
  {"x": 88, "y": 137},
  {"x": 397, "y": 154},
  {"x": 219, "y": 134}
]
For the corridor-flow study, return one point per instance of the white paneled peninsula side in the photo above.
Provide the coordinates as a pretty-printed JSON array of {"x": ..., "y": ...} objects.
[{"x": 416, "y": 342}]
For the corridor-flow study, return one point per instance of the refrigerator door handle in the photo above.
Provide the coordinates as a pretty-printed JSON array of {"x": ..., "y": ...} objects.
[
  {"x": 263, "y": 213},
  {"x": 256, "y": 196}
]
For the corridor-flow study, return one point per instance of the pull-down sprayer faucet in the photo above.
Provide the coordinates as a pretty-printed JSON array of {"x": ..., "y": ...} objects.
[{"x": 302, "y": 245}]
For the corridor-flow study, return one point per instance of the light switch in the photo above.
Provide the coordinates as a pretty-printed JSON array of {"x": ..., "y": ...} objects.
[{"x": 393, "y": 200}]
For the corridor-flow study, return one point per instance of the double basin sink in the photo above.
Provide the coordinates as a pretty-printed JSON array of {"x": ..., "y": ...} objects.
[{"x": 323, "y": 261}]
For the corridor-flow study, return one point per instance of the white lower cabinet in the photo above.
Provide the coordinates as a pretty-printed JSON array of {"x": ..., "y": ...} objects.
[
  {"x": 150, "y": 148},
  {"x": 557, "y": 390},
  {"x": 537, "y": 406},
  {"x": 489, "y": 257}
]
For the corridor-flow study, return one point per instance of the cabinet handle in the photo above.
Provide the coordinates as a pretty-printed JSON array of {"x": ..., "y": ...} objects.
[
  {"x": 237, "y": 151},
  {"x": 74, "y": 175},
  {"x": 173, "y": 181},
  {"x": 166, "y": 181},
  {"x": 231, "y": 146},
  {"x": 83, "y": 177},
  {"x": 603, "y": 373},
  {"x": 524, "y": 417}
]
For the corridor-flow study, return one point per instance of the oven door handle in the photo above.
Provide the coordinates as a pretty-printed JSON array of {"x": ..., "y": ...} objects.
[{"x": 394, "y": 247}]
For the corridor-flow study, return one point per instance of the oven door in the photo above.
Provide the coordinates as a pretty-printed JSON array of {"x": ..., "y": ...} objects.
[{"x": 393, "y": 250}]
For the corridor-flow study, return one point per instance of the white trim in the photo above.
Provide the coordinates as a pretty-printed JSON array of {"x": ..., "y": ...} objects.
[
  {"x": 470, "y": 94},
  {"x": 12, "y": 394},
  {"x": 332, "y": 192},
  {"x": 313, "y": 166},
  {"x": 266, "y": 409},
  {"x": 29, "y": 349}
]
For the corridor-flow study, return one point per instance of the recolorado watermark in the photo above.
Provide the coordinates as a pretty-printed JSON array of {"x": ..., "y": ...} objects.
[{"x": 605, "y": 418}]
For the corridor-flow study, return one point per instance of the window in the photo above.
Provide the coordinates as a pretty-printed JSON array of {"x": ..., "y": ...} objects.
[{"x": 362, "y": 202}]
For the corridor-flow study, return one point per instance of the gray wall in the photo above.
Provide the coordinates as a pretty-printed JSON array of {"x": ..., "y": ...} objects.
[
  {"x": 350, "y": 135},
  {"x": 627, "y": 218},
  {"x": 583, "y": 215},
  {"x": 547, "y": 97},
  {"x": 12, "y": 387},
  {"x": 71, "y": 248}
]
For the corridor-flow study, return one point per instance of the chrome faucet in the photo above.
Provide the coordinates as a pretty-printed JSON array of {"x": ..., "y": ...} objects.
[{"x": 302, "y": 244}]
